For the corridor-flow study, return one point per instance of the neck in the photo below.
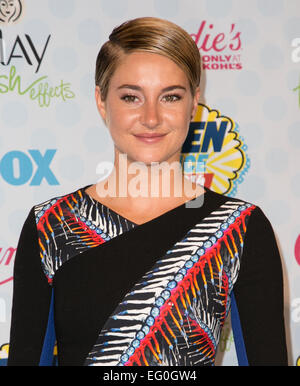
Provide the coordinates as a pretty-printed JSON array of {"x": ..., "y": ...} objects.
[{"x": 156, "y": 180}]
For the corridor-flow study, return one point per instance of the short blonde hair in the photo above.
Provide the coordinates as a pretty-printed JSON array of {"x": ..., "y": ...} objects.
[{"x": 153, "y": 35}]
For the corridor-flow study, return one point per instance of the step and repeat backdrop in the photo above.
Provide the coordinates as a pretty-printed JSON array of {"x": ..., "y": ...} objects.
[{"x": 52, "y": 139}]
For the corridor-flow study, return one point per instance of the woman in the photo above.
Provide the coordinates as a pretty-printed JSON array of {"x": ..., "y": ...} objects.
[{"x": 146, "y": 279}]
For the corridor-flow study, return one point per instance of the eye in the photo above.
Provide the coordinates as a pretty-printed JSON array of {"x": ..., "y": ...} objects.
[
  {"x": 129, "y": 98},
  {"x": 172, "y": 97}
]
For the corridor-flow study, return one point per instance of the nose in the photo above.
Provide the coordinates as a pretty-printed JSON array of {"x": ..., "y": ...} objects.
[{"x": 150, "y": 115}]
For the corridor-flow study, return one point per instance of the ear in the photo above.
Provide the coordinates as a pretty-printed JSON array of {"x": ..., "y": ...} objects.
[
  {"x": 100, "y": 103},
  {"x": 195, "y": 101}
]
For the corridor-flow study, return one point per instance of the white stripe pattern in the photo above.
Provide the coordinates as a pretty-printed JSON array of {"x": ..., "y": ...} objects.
[{"x": 151, "y": 286}]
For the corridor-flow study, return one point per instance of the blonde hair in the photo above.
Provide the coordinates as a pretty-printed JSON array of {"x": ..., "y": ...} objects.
[{"x": 153, "y": 35}]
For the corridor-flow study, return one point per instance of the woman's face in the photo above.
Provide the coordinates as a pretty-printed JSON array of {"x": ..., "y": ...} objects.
[
  {"x": 7, "y": 7},
  {"x": 148, "y": 94}
]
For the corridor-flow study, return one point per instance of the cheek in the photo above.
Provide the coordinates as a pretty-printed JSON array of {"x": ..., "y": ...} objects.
[
  {"x": 179, "y": 118},
  {"x": 120, "y": 120}
]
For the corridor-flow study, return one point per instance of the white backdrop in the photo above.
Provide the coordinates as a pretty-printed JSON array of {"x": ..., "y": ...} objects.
[{"x": 52, "y": 139}]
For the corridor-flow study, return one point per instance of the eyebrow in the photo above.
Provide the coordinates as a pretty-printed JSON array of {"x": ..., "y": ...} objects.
[{"x": 138, "y": 88}]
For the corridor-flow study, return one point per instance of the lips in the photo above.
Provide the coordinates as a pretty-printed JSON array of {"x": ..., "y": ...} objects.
[
  {"x": 147, "y": 135},
  {"x": 149, "y": 138}
]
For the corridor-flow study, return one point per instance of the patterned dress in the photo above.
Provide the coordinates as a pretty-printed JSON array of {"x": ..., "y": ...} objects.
[{"x": 155, "y": 294}]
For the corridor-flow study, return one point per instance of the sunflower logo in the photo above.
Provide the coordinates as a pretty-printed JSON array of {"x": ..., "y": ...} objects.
[
  {"x": 214, "y": 152},
  {"x": 4, "y": 348}
]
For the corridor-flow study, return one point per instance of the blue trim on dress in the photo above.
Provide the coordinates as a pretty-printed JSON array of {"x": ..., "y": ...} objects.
[
  {"x": 238, "y": 334},
  {"x": 47, "y": 356}
]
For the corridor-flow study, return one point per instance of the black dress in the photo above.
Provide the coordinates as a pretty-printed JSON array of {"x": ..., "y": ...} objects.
[{"x": 155, "y": 294}]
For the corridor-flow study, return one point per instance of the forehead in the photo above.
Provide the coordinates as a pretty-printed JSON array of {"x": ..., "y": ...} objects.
[{"x": 148, "y": 68}]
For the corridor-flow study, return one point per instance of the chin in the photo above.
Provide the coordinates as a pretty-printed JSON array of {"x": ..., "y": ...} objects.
[{"x": 147, "y": 161}]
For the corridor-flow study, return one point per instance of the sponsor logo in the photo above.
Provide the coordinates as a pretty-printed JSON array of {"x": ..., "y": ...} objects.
[
  {"x": 38, "y": 90},
  {"x": 18, "y": 168},
  {"x": 7, "y": 256},
  {"x": 10, "y": 11},
  {"x": 214, "y": 152},
  {"x": 23, "y": 48},
  {"x": 219, "y": 50},
  {"x": 4, "y": 354}
]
